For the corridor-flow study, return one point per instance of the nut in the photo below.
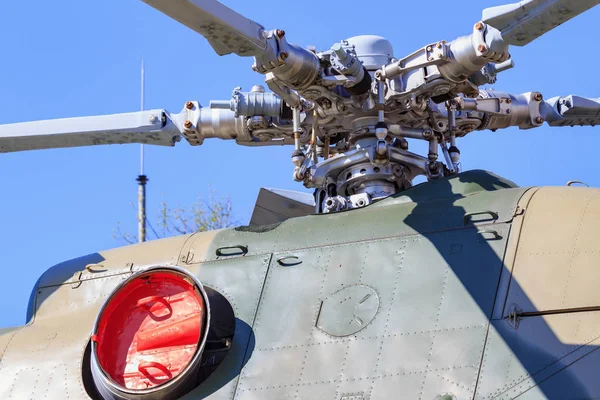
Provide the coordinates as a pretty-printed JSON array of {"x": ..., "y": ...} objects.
[
  {"x": 439, "y": 45},
  {"x": 539, "y": 120},
  {"x": 189, "y": 105},
  {"x": 479, "y": 26},
  {"x": 283, "y": 56},
  {"x": 187, "y": 124},
  {"x": 509, "y": 100},
  {"x": 429, "y": 48},
  {"x": 538, "y": 97},
  {"x": 482, "y": 48},
  {"x": 280, "y": 33}
]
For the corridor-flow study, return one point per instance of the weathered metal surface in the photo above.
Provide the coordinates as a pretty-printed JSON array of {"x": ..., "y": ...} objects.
[
  {"x": 516, "y": 361},
  {"x": 439, "y": 280},
  {"x": 240, "y": 280},
  {"x": 436, "y": 206},
  {"x": 427, "y": 337},
  {"x": 553, "y": 260},
  {"x": 44, "y": 358},
  {"x": 348, "y": 311},
  {"x": 558, "y": 246}
]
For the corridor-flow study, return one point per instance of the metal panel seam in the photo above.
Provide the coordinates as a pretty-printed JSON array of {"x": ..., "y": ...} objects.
[
  {"x": 14, "y": 333},
  {"x": 489, "y": 323},
  {"x": 262, "y": 290},
  {"x": 526, "y": 196},
  {"x": 519, "y": 222}
]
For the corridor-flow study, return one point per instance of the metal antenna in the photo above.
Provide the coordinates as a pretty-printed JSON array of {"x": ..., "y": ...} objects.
[{"x": 142, "y": 179}]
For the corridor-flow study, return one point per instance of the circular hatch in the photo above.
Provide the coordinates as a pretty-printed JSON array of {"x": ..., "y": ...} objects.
[{"x": 148, "y": 339}]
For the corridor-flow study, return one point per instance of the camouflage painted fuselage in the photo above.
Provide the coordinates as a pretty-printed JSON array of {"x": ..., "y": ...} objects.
[{"x": 408, "y": 298}]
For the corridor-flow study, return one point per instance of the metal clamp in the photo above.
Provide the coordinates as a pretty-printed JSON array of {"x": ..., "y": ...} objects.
[
  {"x": 282, "y": 261},
  {"x": 96, "y": 268},
  {"x": 467, "y": 216},
  {"x": 514, "y": 316},
  {"x": 571, "y": 183},
  {"x": 222, "y": 251},
  {"x": 491, "y": 232}
]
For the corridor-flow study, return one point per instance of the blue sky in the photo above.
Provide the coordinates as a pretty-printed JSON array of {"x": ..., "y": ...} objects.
[{"x": 74, "y": 58}]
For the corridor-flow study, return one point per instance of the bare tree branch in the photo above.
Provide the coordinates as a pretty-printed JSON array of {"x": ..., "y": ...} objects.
[{"x": 215, "y": 213}]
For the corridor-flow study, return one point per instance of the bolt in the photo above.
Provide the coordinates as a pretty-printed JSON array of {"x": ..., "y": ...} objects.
[
  {"x": 539, "y": 120},
  {"x": 429, "y": 48},
  {"x": 509, "y": 100},
  {"x": 187, "y": 124},
  {"x": 189, "y": 105},
  {"x": 283, "y": 55},
  {"x": 430, "y": 58},
  {"x": 152, "y": 118},
  {"x": 280, "y": 33},
  {"x": 482, "y": 48},
  {"x": 508, "y": 111},
  {"x": 439, "y": 45},
  {"x": 538, "y": 97},
  {"x": 479, "y": 26}
]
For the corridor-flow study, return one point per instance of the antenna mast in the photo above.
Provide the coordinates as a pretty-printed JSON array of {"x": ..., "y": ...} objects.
[{"x": 142, "y": 179}]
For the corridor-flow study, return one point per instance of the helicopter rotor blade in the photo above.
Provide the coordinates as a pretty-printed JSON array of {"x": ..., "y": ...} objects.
[
  {"x": 226, "y": 30},
  {"x": 523, "y": 22}
]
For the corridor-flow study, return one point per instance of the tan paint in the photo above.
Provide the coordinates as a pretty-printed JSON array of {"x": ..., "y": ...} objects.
[
  {"x": 164, "y": 251},
  {"x": 45, "y": 355},
  {"x": 512, "y": 246},
  {"x": 556, "y": 263},
  {"x": 196, "y": 249}
]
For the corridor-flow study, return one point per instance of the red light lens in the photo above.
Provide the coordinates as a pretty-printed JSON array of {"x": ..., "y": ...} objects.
[{"x": 150, "y": 330}]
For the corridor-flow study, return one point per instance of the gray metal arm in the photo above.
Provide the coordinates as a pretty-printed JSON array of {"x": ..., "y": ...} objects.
[
  {"x": 250, "y": 118},
  {"x": 149, "y": 127},
  {"x": 226, "y": 30},
  {"x": 571, "y": 111},
  {"x": 525, "y": 21}
]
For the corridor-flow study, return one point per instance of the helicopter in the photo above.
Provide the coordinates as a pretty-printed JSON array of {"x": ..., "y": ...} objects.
[{"x": 466, "y": 286}]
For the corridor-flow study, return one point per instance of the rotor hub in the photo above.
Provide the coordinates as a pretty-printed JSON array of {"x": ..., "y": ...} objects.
[{"x": 373, "y": 51}]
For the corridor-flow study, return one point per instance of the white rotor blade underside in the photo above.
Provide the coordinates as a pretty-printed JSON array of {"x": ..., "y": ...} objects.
[
  {"x": 525, "y": 21},
  {"x": 226, "y": 31}
]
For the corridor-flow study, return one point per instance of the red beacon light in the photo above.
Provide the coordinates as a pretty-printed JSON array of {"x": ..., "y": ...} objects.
[{"x": 149, "y": 336}]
